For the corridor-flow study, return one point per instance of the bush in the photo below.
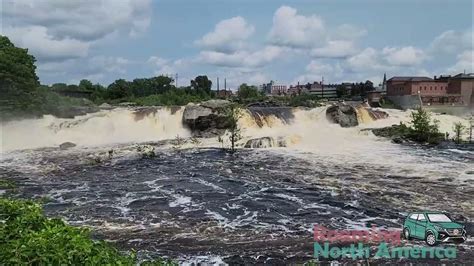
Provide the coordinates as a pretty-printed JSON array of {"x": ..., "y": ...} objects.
[
  {"x": 423, "y": 129},
  {"x": 28, "y": 237},
  {"x": 305, "y": 99}
]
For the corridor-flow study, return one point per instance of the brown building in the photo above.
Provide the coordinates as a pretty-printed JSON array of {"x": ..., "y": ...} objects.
[
  {"x": 429, "y": 91},
  {"x": 462, "y": 84}
]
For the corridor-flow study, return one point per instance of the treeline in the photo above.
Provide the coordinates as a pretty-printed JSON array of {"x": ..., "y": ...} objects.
[
  {"x": 22, "y": 95},
  {"x": 158, "y": 90}
]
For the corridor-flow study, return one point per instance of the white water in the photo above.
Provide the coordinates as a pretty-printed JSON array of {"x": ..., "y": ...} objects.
[
  {"x": 105, "y": 127},
  {"x": 308, "y": 131}
]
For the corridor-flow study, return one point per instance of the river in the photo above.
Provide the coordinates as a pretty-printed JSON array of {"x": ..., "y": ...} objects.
[{"x": 197, "y": 203}]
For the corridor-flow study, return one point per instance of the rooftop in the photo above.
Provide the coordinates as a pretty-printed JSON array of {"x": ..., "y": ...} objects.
[{"x": 408, "y": 78}]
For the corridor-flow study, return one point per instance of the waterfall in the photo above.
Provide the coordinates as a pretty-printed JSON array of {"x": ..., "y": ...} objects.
[
  {"x": 300, "y": 128},
  {"x": 119, "y": 125}
]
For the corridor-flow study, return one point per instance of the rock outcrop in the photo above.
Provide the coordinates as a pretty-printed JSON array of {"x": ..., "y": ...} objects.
[
  {"x": 265, "y": 142},
  {"x": 67, "y": 145},
  {"x": 342, "y": 114},
  {"x": 206, "y": 119}
]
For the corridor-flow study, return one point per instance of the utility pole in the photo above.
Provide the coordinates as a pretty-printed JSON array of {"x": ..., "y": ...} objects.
[
  {"x": 225, "y": 87},
  {"x": 217, "y": 87},
  {"x": 176, "y": 80}
]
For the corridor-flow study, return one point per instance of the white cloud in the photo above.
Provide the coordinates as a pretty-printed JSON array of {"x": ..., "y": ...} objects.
[
  {"x": 96, "y": 69},
  {"x": 44, "y": 46},
  {"x": 81, "y": 19},
  {"x": 365, "y": 60},
  {"x": 60, "y": 30},
  {"x": 348, "y": 32},
  {"x": 404, "y": 56},
  {"x": 335, "y": 49},
  {"x": 452, "y": 42},
  {"x": 317, "y": 67},
  {"x": 297, "y": 31},
  {"x": 242, "y": 59},
  {"x": 228, "y": 35},
  {"x": 464, "y": 63},
  {"x": 157, "y": 61}
]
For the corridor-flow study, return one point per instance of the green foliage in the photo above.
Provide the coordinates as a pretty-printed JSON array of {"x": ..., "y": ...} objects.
[
  {"x": 28, "y": 237},
  {"x": 458, "y": 129},
  {"x": 202, "y": 83},
  {"x": 17, "y": 68},
  {"x": 361, "y": 89},
  {"x": 172, "y": 97},
  {"x": 232, "y": 113},
  {"x": 247, "y": 92},
  {"x": 305, "y": 99},
  {"x": 342, "y": 91},
  {"x": 119, "y": 89},
  {"x": 422, "y": 128}
]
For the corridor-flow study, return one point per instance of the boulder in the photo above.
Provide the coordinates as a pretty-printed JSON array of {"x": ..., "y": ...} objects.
[
  {"x": 66, "y": 145},
  {"x": 342, "y": 114},
  {"x": 206, "y": 119},
  {"x": 265, "y": 142}
]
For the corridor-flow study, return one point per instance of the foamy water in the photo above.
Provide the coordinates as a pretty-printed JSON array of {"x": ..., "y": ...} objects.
[{"x": 105, "y": 127}]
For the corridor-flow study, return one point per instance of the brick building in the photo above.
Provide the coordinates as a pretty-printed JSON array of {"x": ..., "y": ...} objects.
[{"x": 429, "y": 91}]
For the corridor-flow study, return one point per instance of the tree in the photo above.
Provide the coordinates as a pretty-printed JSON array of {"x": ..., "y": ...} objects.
[
  {"x": 86, "y": 85},
  {"x": 248, "y": 92},
  {"x": 119, "y": 89},
  {"x": 17, "y": 67},
  {"x": 423, "y": 128},
  {"x": 202, "y": 83},
  {"x": 458, "y": 129},
  {"x": 154, "y": 85},
  {"x": 341, "y": 90},
  {"x": 233, "y": 113}
]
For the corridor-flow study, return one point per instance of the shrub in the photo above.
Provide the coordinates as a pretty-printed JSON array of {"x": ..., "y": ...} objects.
[
  {"x": 423, "y": 129},
  {"x": 28, "y": 237}
]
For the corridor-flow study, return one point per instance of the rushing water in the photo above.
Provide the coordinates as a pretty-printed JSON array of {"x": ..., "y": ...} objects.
[{"x": 200, "y": 203}]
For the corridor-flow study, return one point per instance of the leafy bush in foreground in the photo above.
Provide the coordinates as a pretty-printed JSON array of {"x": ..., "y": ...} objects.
[{"x": 28, "y": 237}]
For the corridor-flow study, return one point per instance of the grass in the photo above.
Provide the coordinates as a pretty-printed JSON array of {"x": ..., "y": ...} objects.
[{"x": 29, "y": 237}]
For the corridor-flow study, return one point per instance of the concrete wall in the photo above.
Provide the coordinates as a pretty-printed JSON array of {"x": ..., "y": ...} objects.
[{"x": 405, "y": 101}]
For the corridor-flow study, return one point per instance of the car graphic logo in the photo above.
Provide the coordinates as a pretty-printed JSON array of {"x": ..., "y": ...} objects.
[{"x": 456, "y": 231}]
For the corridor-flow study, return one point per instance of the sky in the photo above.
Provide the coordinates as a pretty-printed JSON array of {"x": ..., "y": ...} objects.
[{"x": 242, "y": 41}]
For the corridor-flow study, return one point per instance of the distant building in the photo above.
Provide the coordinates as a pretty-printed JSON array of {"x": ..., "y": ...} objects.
[
  {"x": 272, "y": 88},
  {"x": 223, "y": 93},
  {"x": 411, "y": 91},
  {"x": 297, "y": 90},
  {"x": 328, "y": 91},
  {"x": 374, "y": 97},
  {"x": 462, "y": 84}
]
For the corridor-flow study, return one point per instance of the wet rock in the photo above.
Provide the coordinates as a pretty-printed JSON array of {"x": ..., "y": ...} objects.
[
  {"x": 66, "y": 145},
  {"x": 398, "y": 140},
  {"x": 265, "y": 142},
  {"x": 206, "y": 119},
  {"x": 342, "y": 114},
  {"x": 105, "y": 106}
]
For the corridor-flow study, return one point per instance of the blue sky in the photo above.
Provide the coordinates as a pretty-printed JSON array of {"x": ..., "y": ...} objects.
[{"x": 252, "y": 41}]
